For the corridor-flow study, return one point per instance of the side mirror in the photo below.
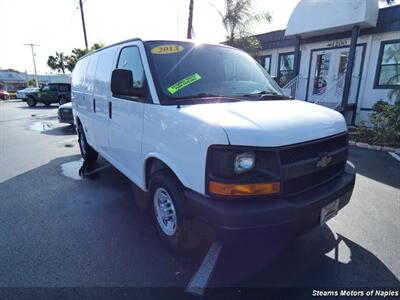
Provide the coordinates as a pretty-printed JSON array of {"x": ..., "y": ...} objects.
[{"x": 122, "y": 84}]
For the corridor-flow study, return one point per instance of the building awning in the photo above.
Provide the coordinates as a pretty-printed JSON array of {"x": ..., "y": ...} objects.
[{"x": 317, "y": 17}]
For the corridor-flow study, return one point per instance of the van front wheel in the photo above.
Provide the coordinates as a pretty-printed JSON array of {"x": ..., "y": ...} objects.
[
  {"x": 166, "y": 198},
  {"x": 88, "y": 153}
]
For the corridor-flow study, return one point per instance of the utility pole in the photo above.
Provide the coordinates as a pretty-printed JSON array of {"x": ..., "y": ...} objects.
[
  {"x": 34, "y": 62},
  {"x": 83, "y": 23},
  {"x": 190, "y": 21}
]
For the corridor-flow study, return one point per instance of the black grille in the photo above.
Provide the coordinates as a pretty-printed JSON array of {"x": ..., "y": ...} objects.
[
  {"x": 303, "y": 183},
  {"x": 304, "y": 151}
]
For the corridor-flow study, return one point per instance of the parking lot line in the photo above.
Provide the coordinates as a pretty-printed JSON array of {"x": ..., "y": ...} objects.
[
  {"x": 199, "y": 281},
  {"x": 394, "y": 155}
]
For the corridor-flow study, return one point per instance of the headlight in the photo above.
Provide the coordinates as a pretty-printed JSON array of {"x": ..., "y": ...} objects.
[{"x": 244, "y": 162}]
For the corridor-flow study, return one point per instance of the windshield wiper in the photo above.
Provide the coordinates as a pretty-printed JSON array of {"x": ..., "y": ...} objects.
[
  {"x": 268, "y": 95},
  {"x": 200, "y": 95}
]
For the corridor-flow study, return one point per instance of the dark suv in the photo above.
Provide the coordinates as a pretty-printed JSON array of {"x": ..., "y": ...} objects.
[{"x": 50, "y": 93}]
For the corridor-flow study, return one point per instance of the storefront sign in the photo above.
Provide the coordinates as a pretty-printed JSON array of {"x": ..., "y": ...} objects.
[{"x": 338, "y": 43}]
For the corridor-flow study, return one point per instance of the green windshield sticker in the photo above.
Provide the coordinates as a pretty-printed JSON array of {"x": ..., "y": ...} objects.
[{"x": 184, "y": 82}]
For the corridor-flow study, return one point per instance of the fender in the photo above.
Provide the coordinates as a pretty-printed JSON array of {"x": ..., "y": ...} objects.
[{"x": 174, "y": 168}]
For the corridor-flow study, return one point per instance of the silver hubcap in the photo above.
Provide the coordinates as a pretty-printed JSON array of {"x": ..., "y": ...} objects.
[{"x": 165, "y": 211}]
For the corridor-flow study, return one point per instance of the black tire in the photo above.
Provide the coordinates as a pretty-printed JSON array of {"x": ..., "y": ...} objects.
[
  {"x": 62, "y": 100},
  {"x": 31, "y": 101},
  {"x": 88, "y": 153},
  {"x": 184, "y": 238}
]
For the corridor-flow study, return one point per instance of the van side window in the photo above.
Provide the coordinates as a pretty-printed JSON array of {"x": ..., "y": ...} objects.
[
  {"x": 90, "y": 74},
  {"x": 79, "y": 72},
  {"x": 103, "y": 70},
  {"x": 129, "y": 59}
]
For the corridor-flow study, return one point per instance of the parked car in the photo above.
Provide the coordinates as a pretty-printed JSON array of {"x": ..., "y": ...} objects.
[
  {"x": 13, "y": 94},
  {"x": 65, "y": 113},
  {"x": 211, "y": 138},
  {"x": 21, "y": 94},
  {"x": 50, "y": 93},
  {"x": 4, "y": 95}
]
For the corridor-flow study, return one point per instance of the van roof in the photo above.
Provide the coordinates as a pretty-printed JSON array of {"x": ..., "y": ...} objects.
[{"x": 138, "y": 39}]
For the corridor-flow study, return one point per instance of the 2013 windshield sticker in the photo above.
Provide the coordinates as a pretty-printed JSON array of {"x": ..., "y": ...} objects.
[
  {"x": 184, "y": 82},
  {"x": 167, "y": 49}
]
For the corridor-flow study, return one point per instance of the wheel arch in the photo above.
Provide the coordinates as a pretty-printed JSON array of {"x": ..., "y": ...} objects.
[
  {"x": 154, "y": 163},
  {"x": 78, "y": 121}
]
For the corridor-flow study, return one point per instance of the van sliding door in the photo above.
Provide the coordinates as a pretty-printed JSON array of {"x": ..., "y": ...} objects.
[{"x": 101, "y": 97}]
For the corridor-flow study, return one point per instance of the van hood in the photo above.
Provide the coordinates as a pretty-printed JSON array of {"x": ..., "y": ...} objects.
[{"x": 270, "y": 123}]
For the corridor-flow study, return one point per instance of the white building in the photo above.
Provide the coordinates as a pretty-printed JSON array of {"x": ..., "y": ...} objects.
[{"x": 313, "y": 58}]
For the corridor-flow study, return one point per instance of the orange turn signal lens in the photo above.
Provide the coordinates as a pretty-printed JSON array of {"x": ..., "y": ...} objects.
[{"x": 227, "y": 189}]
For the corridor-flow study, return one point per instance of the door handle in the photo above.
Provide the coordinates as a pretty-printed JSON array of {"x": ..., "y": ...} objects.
[
  {"x": 110, "y": 110},
  {"x": 94, "y": 105}
]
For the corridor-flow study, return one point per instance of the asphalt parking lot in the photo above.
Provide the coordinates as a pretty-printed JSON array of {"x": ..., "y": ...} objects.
[{"x": 58, "y": 230}]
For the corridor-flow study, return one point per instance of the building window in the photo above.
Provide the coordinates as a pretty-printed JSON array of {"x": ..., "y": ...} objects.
[
  {"x": 388, "y": 68},
  {"x": 265, "y": 61},
  {"x": 285, "y": 68},
  {"x": 321, "y": 74}
]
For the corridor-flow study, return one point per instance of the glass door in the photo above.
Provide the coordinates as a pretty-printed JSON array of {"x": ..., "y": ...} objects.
[{"x": 327, "y": 76}]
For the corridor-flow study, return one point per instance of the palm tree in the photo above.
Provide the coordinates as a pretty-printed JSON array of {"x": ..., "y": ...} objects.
[
  {"x": 239, "y": 17},
  {"x": 190, "y": 21},
  {"x": 58, "y": 62}
]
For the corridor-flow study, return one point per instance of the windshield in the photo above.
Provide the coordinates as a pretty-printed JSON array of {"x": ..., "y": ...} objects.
[{"x": 187, "y": 71}]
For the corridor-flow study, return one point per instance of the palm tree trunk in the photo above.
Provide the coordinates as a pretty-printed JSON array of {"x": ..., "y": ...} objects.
[{"x": 190, "y": 21}]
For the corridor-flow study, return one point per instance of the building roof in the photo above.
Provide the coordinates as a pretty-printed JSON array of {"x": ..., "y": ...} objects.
[
  {"x": 11, "y": 76},
  {"x": 388, "y": 21}
]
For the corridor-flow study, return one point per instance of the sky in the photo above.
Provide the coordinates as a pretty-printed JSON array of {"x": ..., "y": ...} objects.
[{"x": 56, "y": 25}]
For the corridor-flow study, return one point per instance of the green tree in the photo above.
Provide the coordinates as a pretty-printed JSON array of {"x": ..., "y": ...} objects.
[
  {"x": 58, "y": 62},
  {"x": 78, "y": 53},
  {"x": 31, "y": 82},
  {"x": 389, "y": 2},
  {"x": 13, "y": 70},
  {"x": 238, "y": 19}
]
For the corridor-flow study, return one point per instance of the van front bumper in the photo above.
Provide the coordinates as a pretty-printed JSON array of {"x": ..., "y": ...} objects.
[{"x": 286, "y": 216}]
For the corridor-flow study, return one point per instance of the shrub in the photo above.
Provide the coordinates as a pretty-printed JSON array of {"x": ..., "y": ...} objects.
[
  {"x": 386, "y": 122},
  {"x": 361, "y": 127}
]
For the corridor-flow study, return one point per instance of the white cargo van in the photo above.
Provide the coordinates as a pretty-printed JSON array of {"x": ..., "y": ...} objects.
[{"x": 212, "y": 139}]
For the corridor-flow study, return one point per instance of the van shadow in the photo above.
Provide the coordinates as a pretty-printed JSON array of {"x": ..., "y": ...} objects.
[
  {"x": 62, "y": 130},
  {"x": 39, "y": 106},
  {"x": 377, "y": 165},
  {"x": 86, "y": 232},
  {"x": 317, "y": 259}
]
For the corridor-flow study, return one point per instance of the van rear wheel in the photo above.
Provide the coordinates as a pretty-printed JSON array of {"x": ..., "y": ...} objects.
[
  {"x": 166, "y": 200},
  {"x": 88, "y": 153}
]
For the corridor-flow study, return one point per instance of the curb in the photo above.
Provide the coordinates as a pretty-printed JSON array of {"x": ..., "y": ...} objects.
[{"x": 374, "y": 147}]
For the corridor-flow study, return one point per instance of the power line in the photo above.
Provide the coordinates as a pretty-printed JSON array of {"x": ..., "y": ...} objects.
[{"x": 34, "y": 62}]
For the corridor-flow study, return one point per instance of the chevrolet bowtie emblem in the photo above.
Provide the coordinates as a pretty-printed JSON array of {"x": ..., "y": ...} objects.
[{"x": 324, "y": 160}]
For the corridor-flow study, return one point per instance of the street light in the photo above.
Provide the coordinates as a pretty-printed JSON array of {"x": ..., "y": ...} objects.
[{"x": 34, "y": 62}]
